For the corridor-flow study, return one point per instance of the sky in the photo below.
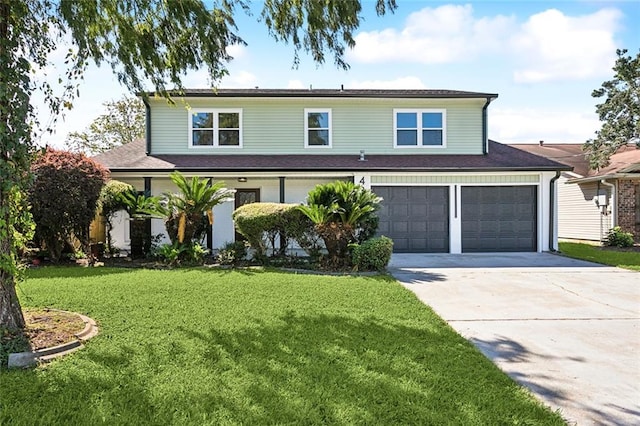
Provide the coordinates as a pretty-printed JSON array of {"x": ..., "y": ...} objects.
[{"x": 543, "y": 59}]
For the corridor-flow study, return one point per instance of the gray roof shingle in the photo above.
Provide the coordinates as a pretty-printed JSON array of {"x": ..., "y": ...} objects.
[
  {"x": 333, "y": 93},
  {"x": 132, "y": 158},
  {"x": 627, "y": 158}
]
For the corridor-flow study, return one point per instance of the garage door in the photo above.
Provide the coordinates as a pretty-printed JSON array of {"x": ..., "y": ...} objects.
[
  {"x": 499, "y": 218},
  {"x": 415, "y": 218}
]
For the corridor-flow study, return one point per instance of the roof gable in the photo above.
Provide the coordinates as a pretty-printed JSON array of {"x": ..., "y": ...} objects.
[{"x": 625, "y": 160}]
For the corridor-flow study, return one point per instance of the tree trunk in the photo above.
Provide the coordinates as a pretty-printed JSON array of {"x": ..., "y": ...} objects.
[{"x": 10, "y": 310}]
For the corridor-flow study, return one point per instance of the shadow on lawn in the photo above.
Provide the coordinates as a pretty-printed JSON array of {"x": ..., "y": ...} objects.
[
  {"x": 331, "y": 369},
  {"x": 294, "y": 369}
]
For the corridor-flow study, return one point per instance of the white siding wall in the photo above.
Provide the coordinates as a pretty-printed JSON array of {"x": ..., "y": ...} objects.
[
  {"x": 579, "y": 217},
  {"x": 276, "y": 126}
]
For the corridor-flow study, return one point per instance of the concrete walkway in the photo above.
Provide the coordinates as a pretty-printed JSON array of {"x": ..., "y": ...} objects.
[{"x": 568, "y": 330}]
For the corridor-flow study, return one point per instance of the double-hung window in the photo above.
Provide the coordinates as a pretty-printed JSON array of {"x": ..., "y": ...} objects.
[
  {"x": 215, "y": 128},
  {"x": 420, "y": 128},
  {"x": 317, "y": 128}
]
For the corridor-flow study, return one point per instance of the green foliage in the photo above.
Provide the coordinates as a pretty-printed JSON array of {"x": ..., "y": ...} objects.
[
  {"x": 201, "y": 346},
  {"x": 147, "y": 43},
  {"x": 343, "y": 213},
  {"x": 618, "y": 238},
  {"x": 627, "y": 259},
  {"x": 193, "y": 205},
  {"x": 64, "y": 197},
  {"x": 263, "y": 224},
  {"x": 140, "y": 205},
  {"x": 123, "y": 122},
  {"x": 304, "y": 24},
  {"x": 232, "y": 253},
  {"x": 176, "y": 254},
  {"x": 373, "y": 254},
  {"x": 619, "y": 113},
  {"x": 111, "y": 197}
]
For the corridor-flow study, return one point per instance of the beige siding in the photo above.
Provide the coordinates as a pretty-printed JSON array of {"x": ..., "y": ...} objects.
[
  {"x": 578, "y": 216},
  {"x": 470, "y": 179},
  {"x": 277, "y": 125}
]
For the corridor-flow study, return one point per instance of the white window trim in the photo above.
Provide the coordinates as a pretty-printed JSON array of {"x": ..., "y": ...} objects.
[
  {"x": 216, "y": 127},
  {"x": 418, "y": 112},
  {"x": 306, "y": 128}
]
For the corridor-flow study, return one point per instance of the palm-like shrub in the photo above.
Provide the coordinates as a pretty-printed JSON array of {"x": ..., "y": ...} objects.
[
  {"x": 140, "y": 207},
  {"x": 342, "y": 213},
  {"x": 188, "y": 211}
]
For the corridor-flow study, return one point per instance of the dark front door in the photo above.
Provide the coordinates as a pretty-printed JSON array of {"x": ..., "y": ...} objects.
[{"x": 245, "y": 196}]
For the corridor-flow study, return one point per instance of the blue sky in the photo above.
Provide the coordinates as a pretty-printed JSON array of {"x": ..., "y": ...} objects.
[{"x": 543, "y": 59}]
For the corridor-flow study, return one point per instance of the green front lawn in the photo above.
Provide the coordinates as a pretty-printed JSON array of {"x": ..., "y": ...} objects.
[
  {"x": 199, "y": 346},
  {"x": 606, "y": 256}
]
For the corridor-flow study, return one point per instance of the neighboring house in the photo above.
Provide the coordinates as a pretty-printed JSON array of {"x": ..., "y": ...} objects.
[
  {"x": 446, "y": 187},
  {"x": 591, "y": 202}
]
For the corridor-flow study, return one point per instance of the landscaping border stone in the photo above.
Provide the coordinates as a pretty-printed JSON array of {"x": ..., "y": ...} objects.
[{"x": 28, "y": 359}]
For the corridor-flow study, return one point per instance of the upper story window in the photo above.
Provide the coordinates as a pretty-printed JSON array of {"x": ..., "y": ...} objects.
[
  {"x": 420, "y": 128},
  {"x": 215, "y": 127},
  {"x": 317, "y": 128}
]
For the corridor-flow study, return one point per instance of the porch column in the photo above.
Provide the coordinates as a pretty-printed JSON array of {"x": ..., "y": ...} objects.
[
  {"x": 282, "y": 197},
  {"x": 210, "y": 227}
]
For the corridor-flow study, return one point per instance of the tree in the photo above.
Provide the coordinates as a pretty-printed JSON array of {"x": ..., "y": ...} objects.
[
  {"x": 619, "y": 113},
  {"x": 64, "y": 198},
  {"x": 148, "y": 44},
  {"x": 190, "y": 209},
  {"x": 123, "y": 122},
  {"x": 343, "y": 213}
]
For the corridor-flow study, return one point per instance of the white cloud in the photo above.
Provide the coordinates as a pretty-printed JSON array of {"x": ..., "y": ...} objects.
[
  {"x": 553, "y": 46},
  {"x": 409, "y": 82},
  {"x": 237, "y": 51},
  {"x": 434, "y": 35},
  {"x": 239, "y": 80},
  {"x": 295, "y": 84},
  {"x": 533, "y": 125}
]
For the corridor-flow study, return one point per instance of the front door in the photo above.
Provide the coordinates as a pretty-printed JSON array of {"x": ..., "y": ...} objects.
[{"x": 245, "y": 196}]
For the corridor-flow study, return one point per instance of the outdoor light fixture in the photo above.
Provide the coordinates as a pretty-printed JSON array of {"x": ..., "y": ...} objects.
[{"x": 242, "y": 179}]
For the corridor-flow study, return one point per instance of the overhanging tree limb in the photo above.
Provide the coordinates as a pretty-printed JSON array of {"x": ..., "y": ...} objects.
[{"x": 147, "y": 43}]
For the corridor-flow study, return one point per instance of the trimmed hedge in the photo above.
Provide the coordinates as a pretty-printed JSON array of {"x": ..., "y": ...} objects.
[
  {"x": 262, "y": 223},
  {"x": 373, "y": 254}
]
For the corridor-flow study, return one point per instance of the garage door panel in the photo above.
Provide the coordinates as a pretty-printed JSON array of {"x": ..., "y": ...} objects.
[
  {"x": 415, "y": 218},
  {"x": 499, "y": 218}
]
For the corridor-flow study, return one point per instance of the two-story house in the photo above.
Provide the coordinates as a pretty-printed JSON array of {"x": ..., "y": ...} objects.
[{"x": 446, "y": 186}]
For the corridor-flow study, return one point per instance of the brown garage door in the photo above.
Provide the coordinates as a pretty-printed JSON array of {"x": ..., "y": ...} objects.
[
  {"x": 499, "y": 218},
  {"x": 416, "y": 218}
]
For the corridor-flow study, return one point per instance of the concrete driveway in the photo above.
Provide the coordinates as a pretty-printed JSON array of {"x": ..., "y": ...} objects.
[{"x": 566, "y": 329}]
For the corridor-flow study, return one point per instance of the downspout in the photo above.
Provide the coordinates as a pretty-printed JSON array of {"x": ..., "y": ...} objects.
[
  {"x": 614, "y": 209},
  {"x": 485, "y": 130},
  {"x": 552, "y": 205},
  {"x": 147, "y": 109}
]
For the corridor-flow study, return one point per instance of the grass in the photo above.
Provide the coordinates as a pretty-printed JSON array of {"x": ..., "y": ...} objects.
[
  {"x": 198, "y": 346},
  {"x": 606, "y": 256}
]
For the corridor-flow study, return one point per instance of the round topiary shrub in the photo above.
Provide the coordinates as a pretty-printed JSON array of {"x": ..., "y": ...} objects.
[{"x": 373, "y": 254}]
